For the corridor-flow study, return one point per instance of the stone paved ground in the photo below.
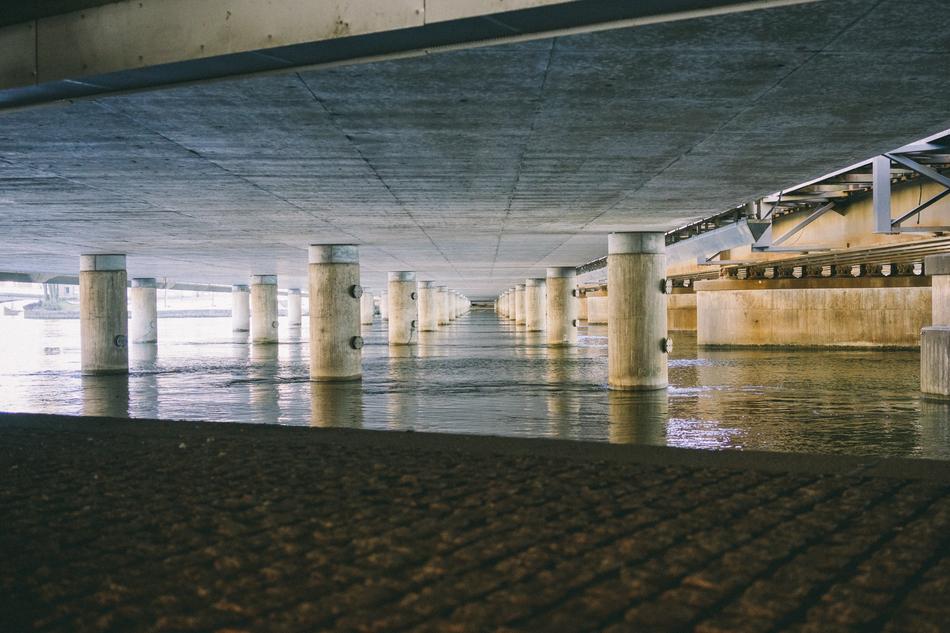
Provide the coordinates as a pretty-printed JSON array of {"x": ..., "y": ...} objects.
[{"x": 143, "y": 526}]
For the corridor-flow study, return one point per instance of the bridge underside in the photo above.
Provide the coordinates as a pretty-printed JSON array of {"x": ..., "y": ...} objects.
[{"x": 476, "y": 167}]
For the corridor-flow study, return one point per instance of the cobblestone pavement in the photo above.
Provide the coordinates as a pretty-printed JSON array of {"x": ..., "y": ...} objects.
[{"x": 143, "y": 526}]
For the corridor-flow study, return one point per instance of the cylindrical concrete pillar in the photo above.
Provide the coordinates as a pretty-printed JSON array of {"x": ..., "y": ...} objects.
[
  {"x": 582, "y": 308},
  {"x": 442, "y": 304},
  {"x": 103, "y": 314},
  {"x": 294, "y": 311},
  {"x": 938, "y": 267},
  {"x": 403, "y": 309},
  {"x": 519, "y": 304},
  {"x": 335, "y": 294},
  {"x": 384, "y": 306},
  {"x": 561, "y": 306},
  {"x": 598, "y": 308},
  {"x": 367, "y": 307},
  {"x": 144, "y": 325},
  {"x": 240, "y": 308},
  {"x": 535, "y": 305},
  {"x": 263, "y": 308},
  {"x": 428, "y": 306},
  {"x": 637, "y": 340}
]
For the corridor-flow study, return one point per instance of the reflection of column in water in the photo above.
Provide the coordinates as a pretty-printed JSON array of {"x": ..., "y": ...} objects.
[
  {"x": 401, "y": 401},
  {"x": 431, "y": 344},
  {"x": 143, "y": 401},
  {"x": 106, "y": 395},
  {"x": 563, "y": 402},
  {"x": 638, "y": 417},
  {"x": 934, "y": 427},
  {"x": 336, "y": 404},
  {"x": 240, "y": 340},
  {"x": 262, "y": 372}
]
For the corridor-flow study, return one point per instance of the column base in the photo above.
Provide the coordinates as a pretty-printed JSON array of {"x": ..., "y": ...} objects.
[
  {"x": 637, "y": 387},
  {"x": 337, "y": 378}
]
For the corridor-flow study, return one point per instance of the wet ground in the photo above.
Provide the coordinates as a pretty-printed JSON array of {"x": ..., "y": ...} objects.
[
  {"x": 151, "y": 526},
  {"x": 485, "y": 376}
]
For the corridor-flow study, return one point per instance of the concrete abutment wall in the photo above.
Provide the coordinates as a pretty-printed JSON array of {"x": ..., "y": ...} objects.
[{"x": 871, "y": 312}]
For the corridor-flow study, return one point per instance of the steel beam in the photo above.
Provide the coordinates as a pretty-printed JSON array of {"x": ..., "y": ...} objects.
[
  {"x": 920, "y": 207},
  {"x": 881, "y": 166},
  {"x": 704, "y": 245},
  {"x": 801, "y": 225},
  {"x": 923, "y": 170}
]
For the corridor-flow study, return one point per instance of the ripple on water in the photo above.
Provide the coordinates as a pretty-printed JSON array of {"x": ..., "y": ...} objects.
[{"x": 485, "y": 377}]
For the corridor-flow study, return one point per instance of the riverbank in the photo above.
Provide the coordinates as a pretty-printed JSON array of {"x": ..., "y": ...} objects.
[{"x": 137, "y": 525}]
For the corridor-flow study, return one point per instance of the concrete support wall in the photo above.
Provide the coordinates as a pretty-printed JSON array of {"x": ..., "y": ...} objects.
[
  {"x": 335, "y": 340},
  {"x": 583, "y": 310},
  {"x": 636, "y": 328},
  {"x": 935, "y": 361},
  {"x": 403, "y": 309},
  {"x": 367, "y": 308},
  {"x": 103, "y": 314},
  {"x": 561, "y": 307},
  {"x": 428, "y": 306},
  {"x": 144, "y": 324},
  {"x": 813, "y": 312},
  {"x": 294, "y": 308},
  {"x": 535, "y": 305},
  {"x": 681, "y": 311},
  {"x": 597, "y": 313},
  {"x": 264, "y": 309},
  {"x": 240, "y": 308}
]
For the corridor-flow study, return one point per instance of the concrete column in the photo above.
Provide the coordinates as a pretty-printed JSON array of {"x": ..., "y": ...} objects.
[
  {"x": 442, "y": 305},
  {"x": 428, "y": 306},
  {"x": 935, "y": 340},
  {"x": 535, "y": 305},
  {"x": 103, "y": 314},
  {"x": 294, "y": 312},
  {"x": 384, "y": 306},
  {"x": 582, "y": 307},
  {"x": 240, "y": 308},
  {"x": 263, "y": 308},
  {"x": 144, "y": 326},
  {"x": 335, "y": 298},
  {"x": 598, "y": 308},
  {"x": 519, "y": 304},
  {"x": 935, "y": 360},
  {"x": 367, "y": 308},
  {"x": 938, "y": 267},
  {"x": 636, "y": 304},
  {"x": 403, "y": 312},
  {"x": 561, "y": 306}
]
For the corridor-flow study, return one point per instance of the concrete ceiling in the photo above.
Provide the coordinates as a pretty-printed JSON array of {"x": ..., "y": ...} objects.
[{"x": 476, "y": 167}]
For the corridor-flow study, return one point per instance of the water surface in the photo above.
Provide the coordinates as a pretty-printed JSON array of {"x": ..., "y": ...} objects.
[{"x": 485, "y": 376}]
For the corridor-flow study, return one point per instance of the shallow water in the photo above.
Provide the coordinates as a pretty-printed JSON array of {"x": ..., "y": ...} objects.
[{"x": 484, "y": 376}]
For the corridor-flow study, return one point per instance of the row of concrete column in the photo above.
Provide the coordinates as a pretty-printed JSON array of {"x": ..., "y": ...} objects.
[
  {"x": 636, "y": 304},
  {"x": 338, "y": 308}
]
